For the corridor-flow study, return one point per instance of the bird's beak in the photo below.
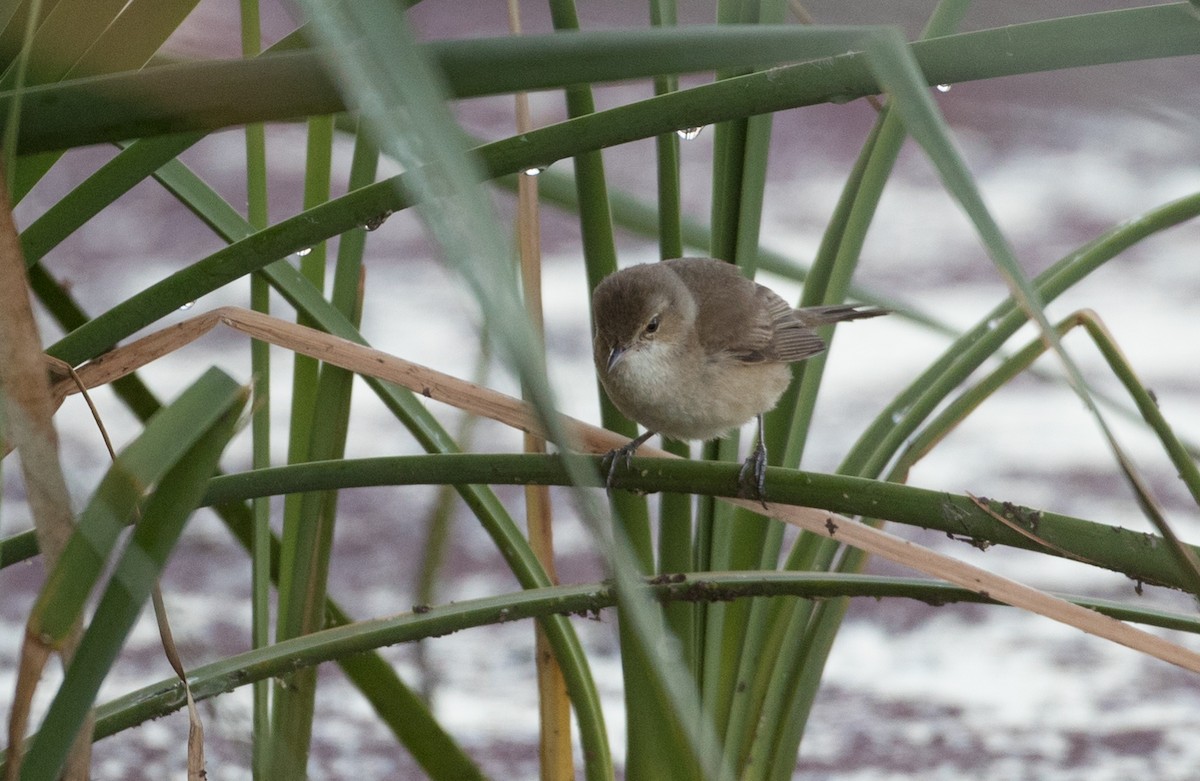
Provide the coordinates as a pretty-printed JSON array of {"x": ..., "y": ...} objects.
[{"x": 615, "y": 356}]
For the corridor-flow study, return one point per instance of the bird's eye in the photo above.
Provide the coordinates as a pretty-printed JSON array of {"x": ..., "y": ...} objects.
[{"x": 652, "y": 326}]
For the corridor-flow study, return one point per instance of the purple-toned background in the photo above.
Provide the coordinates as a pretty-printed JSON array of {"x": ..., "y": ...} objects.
[{"x": 911, "y": 691}]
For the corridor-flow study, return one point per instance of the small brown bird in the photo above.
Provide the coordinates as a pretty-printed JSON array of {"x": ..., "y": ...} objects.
[{"x": 690, "y": 349}]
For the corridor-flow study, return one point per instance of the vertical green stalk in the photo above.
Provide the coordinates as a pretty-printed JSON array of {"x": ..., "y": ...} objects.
[
  {"x": 312, "y": 267},
  {"x": 767, "y": 632},
  {"x": 307, "y": 519},
  {"x": 827, "y": 282},
  {"x": 670, "y": 225},
  {"x": 258, "y": 216},
  {"x": 348, "y": 274},
  {"x": 675, "y": 552},
  {"x": 646, "y": 730},
  {"x": 600, "y": 259},
  {"x": 712, "y": 519},
  {"x": 812, "y": 629},
  {"x": 944, "y": 375},
  {"x": 736, "y": 539},
  {"x": 396, "y": 705},
  {"x": 316, "y": 513}
]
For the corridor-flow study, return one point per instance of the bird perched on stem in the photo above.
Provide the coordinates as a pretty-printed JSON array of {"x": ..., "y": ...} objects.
[{"x": 690, "y": 349}]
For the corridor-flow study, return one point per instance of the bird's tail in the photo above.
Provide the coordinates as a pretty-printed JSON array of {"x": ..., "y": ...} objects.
[{"x": 823, "y": 315}]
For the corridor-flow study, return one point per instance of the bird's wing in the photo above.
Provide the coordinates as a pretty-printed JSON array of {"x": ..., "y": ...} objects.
[
  {"x": 730, "y": 319},
  {"x": 740, "y": 318},
  {"x": 791, "y": 340}
]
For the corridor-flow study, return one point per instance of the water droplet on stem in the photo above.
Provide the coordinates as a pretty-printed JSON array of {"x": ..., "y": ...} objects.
[{"x": 375, "y": 222}]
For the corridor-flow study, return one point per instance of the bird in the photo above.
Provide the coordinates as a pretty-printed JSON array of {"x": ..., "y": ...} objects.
[{"x": 691, "y": 348}]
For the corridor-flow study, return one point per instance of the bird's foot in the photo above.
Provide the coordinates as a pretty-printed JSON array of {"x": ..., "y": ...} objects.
[
  {"x": 752, "y": 479},
  {"x": 608, "y": 464},
  {"x": 623, "y": 455}
]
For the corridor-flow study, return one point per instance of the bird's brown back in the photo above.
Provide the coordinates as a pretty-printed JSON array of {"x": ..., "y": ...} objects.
[{"x": 742, "y": 319}]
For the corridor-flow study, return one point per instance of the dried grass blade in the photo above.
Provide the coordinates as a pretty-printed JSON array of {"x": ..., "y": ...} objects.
[
  {"x": 27, "y": 421},
  {"x": 478, "y": 400}
]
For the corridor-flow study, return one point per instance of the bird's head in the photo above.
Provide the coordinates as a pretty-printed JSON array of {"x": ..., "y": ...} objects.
[{"x": 641, "y": 308}]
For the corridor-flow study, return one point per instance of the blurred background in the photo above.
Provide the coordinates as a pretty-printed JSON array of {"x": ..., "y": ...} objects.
[{"x": 911, "y": 691}]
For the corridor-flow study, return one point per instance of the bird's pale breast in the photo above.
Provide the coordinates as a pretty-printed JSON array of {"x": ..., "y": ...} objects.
[{"x": 686, "y": 395}]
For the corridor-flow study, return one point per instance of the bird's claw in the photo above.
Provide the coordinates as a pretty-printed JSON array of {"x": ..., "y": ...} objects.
[
  {"x": 624, "y": 455},
  {"x": 752, "y": 479}
]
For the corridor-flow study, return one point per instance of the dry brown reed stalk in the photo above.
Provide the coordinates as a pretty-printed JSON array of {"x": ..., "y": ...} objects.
[
  {"x": 26, "y": 423},
  {"x": 554, "y": 706},
  {"x": 475, "y": 399}
]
